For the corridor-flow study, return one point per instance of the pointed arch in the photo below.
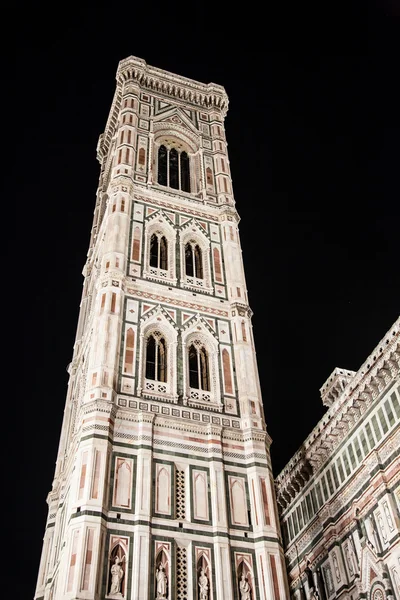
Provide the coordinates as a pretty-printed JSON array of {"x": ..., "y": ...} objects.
[
  {"x": 160, "y": 245},
  {"x": 238, "y": 499},
  {"x": 163, "y": 262},
  {"x": 163, "y": 491},
  {"x": 123, "y": 482},
  {"x": 173, "y": 168},
  {"x": 156, "y": 357},
  {"x": 202, "y": 371},
  {"x": 189, "y": 270},
  {"x": 245, "y": 578},
  {"x": 195, "y": 257},
  {"x": 198, "y": 262},
  {"x": 117, "y": 576},
  {"x": 158, "y": 251},
  {"x": 185, "y": 172},
  {"x": 162, "y": 564},
  {"x": 162, "y": 165},
  {"x": 199, "y": 368},
  {"x": 193, "y": 260},
  {"x": 200, "y": 495}
]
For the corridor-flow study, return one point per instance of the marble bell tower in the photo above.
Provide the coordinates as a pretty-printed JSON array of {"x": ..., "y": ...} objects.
[{"x": 163, "y": 487}]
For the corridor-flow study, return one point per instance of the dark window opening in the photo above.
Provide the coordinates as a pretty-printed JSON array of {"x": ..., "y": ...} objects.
[
  {"x": 173, "y": 169},
  {"x": 193, "y": 261},
  {"x": 185, "y": 175},
  {"x": 156, "y": 358},
  {"x": 189, "y": 260},
  {"x": 162, "y": 166},
  {"x": 199, "y": 372},
  {"x": 158, "y": 252}
]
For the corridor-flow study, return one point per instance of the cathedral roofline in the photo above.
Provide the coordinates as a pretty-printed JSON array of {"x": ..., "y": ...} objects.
[{"x": 363, "y": 387}]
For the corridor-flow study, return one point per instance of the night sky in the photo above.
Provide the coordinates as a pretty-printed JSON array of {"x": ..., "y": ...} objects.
[{"x": 313, "y": 141}]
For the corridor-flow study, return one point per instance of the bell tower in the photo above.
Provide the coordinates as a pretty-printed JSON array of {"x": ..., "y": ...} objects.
[{"x": 163, "y": 487}]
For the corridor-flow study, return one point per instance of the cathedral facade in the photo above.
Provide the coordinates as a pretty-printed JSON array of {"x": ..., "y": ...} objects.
[
  {"x": 163, "y": 487},
  {"x": 339, "y": 495}
]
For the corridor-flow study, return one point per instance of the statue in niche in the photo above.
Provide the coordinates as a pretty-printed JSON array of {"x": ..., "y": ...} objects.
[
  {"x": 313, "y": 592},
  {"x": 375, "y": 536},
  {"x": 371, "y": 532},
  {"x": 321, "y": 584},
  {"x": 336, "y": 566},
  {"x": 244, "y": 588},
  {"x": 349, "y": 559},
  {"x": 203, "y": 586},
  {"x": 310, "y": 577},
  {"x": 161, "y": 582},
  {"x": 117, "y": 574},
  {"x": 360, "y": 526}
]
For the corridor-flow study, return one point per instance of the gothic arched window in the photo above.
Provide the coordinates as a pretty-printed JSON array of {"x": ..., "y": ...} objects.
[
  {"x": 158, "y": 252},
  {"x": 199, "y": 371},
  {"x": 156, "y": 357},
  {"x": 185, "y": 174},
  {"x": 162, "y": 165},
  {"x": 193, "y": 260},
  {"x": 173, "y": 169}
]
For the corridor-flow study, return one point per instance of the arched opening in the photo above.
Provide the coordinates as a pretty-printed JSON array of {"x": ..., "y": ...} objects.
[
  {"x": 117, "y": 579},
  {"x": 173, "y": 168},
  {"x": 198, "y": 263},
  {"x": 245, "y": 585},
  {"x": 203, "y": 578},
  {"x": 199, "y": 371},
  {"x": 158, "y": 252},
  {"x": 185, "y": 173},
  {"x": 193, "y": 260},
  {"x": 156, "y": 357},
  {"x": 161, "y": 575},
  {"x": 162, "y": 165}
]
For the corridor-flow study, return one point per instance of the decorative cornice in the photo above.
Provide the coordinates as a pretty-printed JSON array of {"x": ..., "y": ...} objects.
[
  {"x": 203, "y": 95},
  {"x": 375, "y": 374}
]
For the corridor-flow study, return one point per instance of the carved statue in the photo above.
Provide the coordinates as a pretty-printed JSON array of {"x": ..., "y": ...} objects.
[
  {"x": 362, "y": 534},
  {"x": 117, "y": 574},
  {"x": 370, "y": 531},
  {"x": 336, "y": 566},
  {"x": 161, "y": 582},
  {"x": 310, "y": 578},
  {"x": 349, "y": 559},
  {"x": 203, "y": 586},
  {"x": 244, "y": 588}
]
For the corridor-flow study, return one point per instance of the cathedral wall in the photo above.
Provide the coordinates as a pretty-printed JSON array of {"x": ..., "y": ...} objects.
[{"x": 341, "y": 513}]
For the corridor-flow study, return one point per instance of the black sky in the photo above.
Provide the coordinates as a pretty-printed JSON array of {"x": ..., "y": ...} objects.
[{"x": 313, "y": 140}]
